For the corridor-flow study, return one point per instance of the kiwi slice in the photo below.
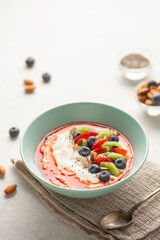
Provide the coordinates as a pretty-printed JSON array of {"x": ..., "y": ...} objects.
[
  {"x": 110, "y": 144},
  {"x": 111, "y": 168},
  {"x": 104, "y": 134},
  {"x": 82, "y": 129}
]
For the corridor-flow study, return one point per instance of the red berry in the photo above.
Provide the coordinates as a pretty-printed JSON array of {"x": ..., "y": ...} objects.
[
  {"x": 99, "y": 150},
  {"x": 100, "y": 159},
  {"x": 120, "y": 151},
  {"x": 85, "y": 135},
  {"x": 98, "y": 143}
]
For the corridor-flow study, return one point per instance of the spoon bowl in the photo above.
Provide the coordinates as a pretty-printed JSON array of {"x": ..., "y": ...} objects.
[{"x": 116, "y": 220}]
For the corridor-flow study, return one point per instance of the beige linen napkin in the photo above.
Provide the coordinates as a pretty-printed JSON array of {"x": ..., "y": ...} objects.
[{"x": 86, "y": 214}]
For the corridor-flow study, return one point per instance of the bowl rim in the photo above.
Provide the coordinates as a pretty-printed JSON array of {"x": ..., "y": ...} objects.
[{"x": 41, "y": 179}]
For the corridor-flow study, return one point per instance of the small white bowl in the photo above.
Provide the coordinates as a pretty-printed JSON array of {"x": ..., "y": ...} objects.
[
  {"x": 134, "y": 74},
  {"x": 150, "y": 110}
]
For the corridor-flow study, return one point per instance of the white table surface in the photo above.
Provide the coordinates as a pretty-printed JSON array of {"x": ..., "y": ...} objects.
[{"x": 78, "y": 43}]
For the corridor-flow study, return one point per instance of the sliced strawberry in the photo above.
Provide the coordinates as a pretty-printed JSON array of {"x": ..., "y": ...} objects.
[
  {"x": 120, "y": 151},
  {"x": 98, "y": 143},
  {"x": 100, "y": 159},
  {"x": 99, "y": 150},
  {"x": 85, "y": 135}
]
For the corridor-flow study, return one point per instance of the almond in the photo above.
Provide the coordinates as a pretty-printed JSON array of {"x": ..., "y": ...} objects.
[
  {"x": 106, "y": 148},
  {"x": 148, "y": 102},
  {"x": 75, "y": 147},
  {"x": 93, "y": 155},
  {"x": 142, "y": 98},
  {"x": 149, "y": 95},
  {"x": 10, "y": 189},
  {"x": 85, "y": 163},
  {"x": 72, "y": 131},
  {"x": 143, "y": 91},
  {"x": 153, "y": 91},
  {"x": 28, "y": 82},
  {"x": 115, "y": 132},
  {"x": 80, "y": 141},
  {"x": 153, "y": 87},
  {"x": 2, "y": 170},
  {"x": 29, "y": 88},
  {"x": 138, "y": 90},
  {"x": 103, "y": 168},
  {"x": 145, "y": 84},
  {"x": 158, "y": 83}
]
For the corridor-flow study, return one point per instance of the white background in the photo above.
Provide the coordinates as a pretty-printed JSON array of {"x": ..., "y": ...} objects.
[{"x": 78, "y": 43}]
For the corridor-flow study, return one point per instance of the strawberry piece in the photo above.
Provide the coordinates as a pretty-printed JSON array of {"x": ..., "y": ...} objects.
[
  {"x": 100, "y": 159},
  {"x": 120, "y": 151},
  {"x": 98, "y": 143},
  {"x": 85, "y": 135},
  {"x": 99, "y": 150}
]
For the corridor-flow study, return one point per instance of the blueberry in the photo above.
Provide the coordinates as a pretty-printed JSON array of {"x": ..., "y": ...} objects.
[
  {"x": 94, "y": 168},
  {"x": 84, "y": 151},
  {"x": 104, "y": 176},
  {"x": 30, "y": 62},
  {"x": 46, "y": 77},
  {"x": 120, "y": 163},
  {"x": 156, "y": 100},
  {"x": 76, "y": 134},
  {"x": 13, "y": 132},
  {"x": 91, "y": 141},
  {"x": 152, "y": 83},
  {"x": 114, "y": 138}
]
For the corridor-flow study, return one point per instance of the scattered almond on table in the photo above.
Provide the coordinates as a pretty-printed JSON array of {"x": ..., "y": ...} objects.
[
  {"x": 2, "y": 170},
  {"x": 29, "y": 88},
  {"x": 10, "y": 189},
  {"x": 28, "y": 82}
]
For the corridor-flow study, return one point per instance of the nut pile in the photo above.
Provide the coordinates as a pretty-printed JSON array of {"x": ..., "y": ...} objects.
[{"x": 149, "y": 93}]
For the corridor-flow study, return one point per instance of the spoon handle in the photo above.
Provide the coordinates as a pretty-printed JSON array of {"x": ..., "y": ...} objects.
[{"x": 143, "y": 200}]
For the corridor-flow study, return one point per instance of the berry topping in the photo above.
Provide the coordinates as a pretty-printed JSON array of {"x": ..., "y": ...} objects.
[
  {"x": 76, "y": 134},
  {"x": 120, "y": 151},
  {"x": 86, "y": 135},
  {"x": 120, "y": 163},
  {"x": 46, "y": 77},
  {"x": 91, "y": 140},
  {"x": 98, "y": 143},
  {"x": 13, "y": 132},
  {"x": 104, "y": 176},
  {"x": 84, "y": 151},
  {"x": 100, "y": 150},
  {"x": 94, "y": 168},
  {"x": 114, "y": 138},
  {"x": 100, "y": 159},
  {"x": 156, "y": 99},
  {"x": 152, "y": 83},
  {"x": 30, "y": 62}
]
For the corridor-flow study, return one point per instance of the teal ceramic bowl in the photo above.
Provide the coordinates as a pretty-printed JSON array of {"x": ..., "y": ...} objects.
[{"x": 91, "y": 112}]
